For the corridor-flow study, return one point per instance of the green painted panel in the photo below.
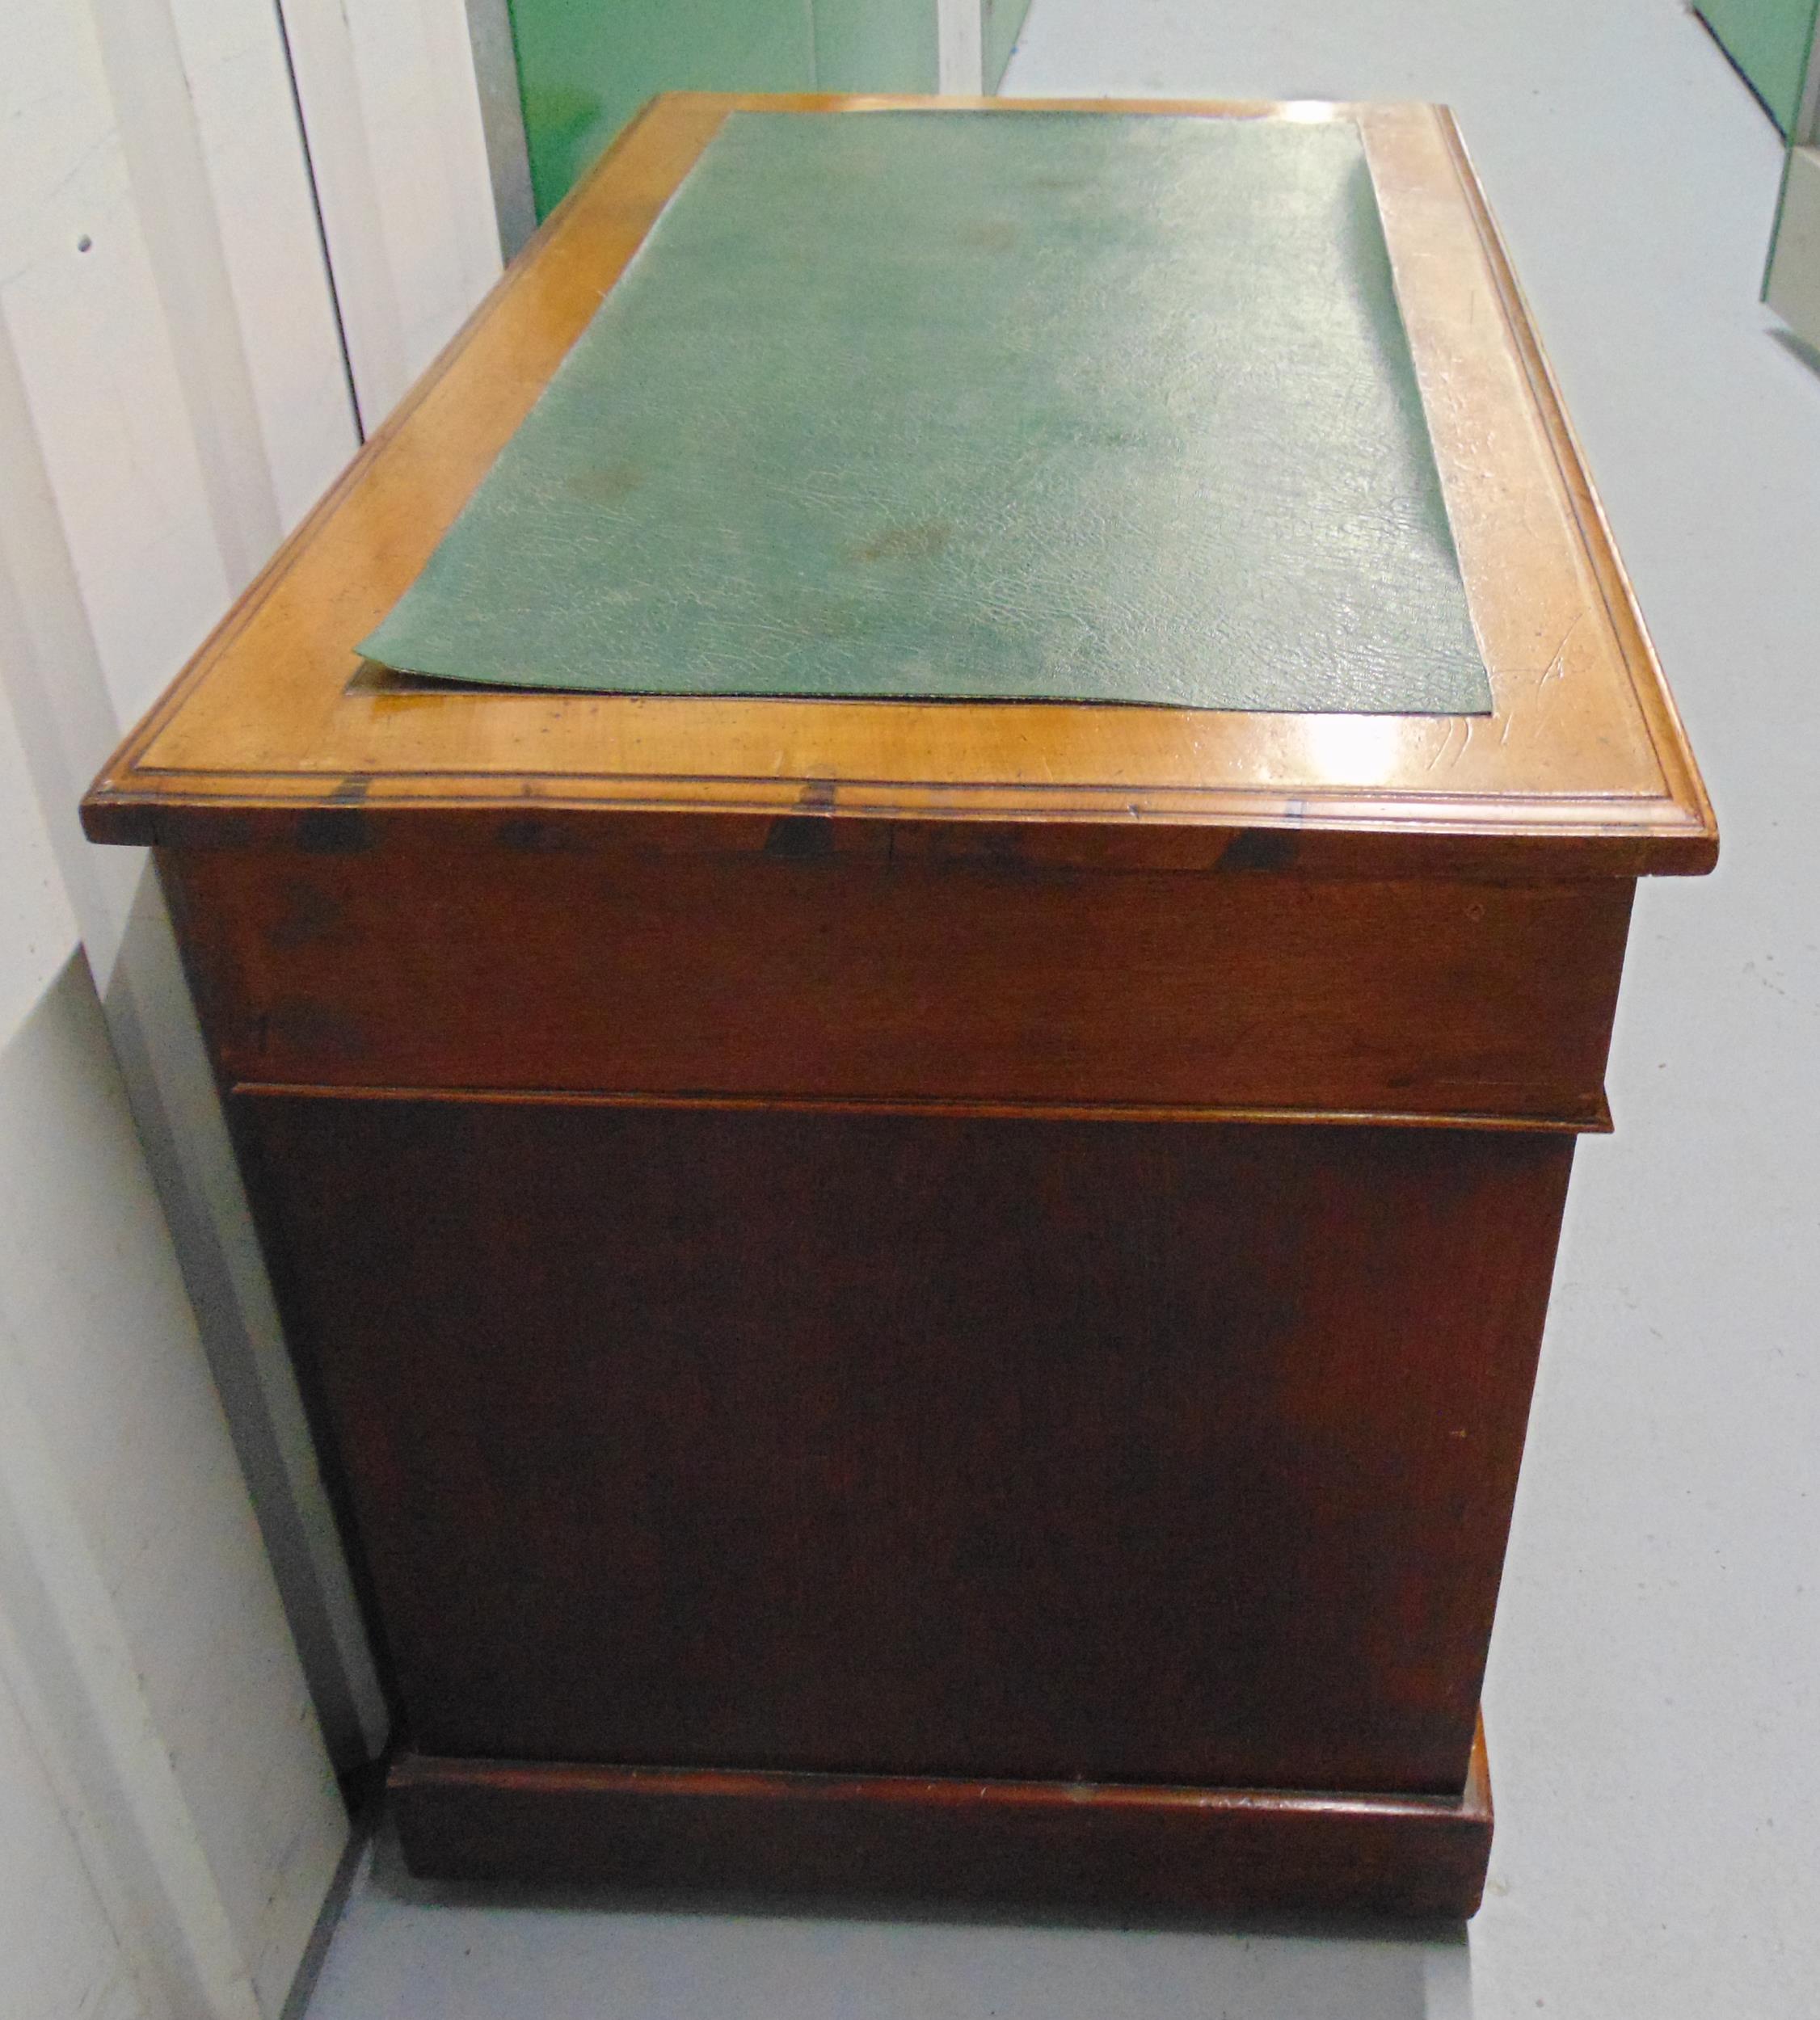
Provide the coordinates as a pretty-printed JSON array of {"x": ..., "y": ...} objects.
[
  {"x": 875, "y": 45},
  {"x": 1009, "y": 406},
  {"x": 1001, "y": 23},
  {"x": 586, "y": 66},
  {"x": 1768, "y": 41}
]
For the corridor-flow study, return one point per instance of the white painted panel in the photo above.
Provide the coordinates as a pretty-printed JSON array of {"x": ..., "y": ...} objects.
[
  {"x": 37, "y": 926},
  {"x": 258, "y": 180},
  {"x": 959, "y": 48},
  {"x": 58, "y": 1952},
  {"x": 464, "y": 204},
  {"x": 155, "y": 113},
  {"x": 48, "y": 656},
  {"x": 341, "y": 159},
  {"x": 131, "y": 1569},
  {"x": 399, "y": 91},
  {"x": 171, "y": 393},
  {"x": 392, "y": 112},
  {"x": 51, "y": 667},
  {"x": 89, "y": 332}
]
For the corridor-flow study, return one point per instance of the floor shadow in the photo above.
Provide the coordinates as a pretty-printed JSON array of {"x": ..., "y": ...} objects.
[{"x": 1798, "y": 348}]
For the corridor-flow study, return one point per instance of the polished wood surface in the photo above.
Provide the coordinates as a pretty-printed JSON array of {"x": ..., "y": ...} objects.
[
  {"x": 1077, "y": 1845},
  {"x": 790, "y": 971},
  {"x": 1582, "y": 762},
  {"x": 1138, "y": 1452}
]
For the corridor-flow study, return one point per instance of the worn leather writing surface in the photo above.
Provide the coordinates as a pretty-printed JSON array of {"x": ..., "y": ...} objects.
[{"x": 1077, "y": 406}]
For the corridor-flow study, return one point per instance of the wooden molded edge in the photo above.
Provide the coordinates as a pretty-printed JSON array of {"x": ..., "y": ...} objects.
[
  {"x": 122, "y": 807},
  {"x": 412, "y": 1771},
  {"x": 1685, "y": 789},
  {"x": 1596, "y": 1120},
  {"x": 1563, "y": 839},
  {"x": 1081, "y": 1844}
]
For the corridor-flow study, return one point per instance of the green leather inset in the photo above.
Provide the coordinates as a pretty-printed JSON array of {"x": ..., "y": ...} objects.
[{"x": 1000, "y": 405}]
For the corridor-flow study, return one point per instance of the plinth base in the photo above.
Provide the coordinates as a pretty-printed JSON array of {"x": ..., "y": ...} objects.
[{"x": 1017, "y": 1844}]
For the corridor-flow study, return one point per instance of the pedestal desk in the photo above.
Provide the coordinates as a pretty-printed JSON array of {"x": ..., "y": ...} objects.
[{"x": 924, "y": 1298}]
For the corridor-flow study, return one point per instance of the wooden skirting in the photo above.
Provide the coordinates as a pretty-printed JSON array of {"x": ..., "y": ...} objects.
[{"x": 1015, "y": 1844}]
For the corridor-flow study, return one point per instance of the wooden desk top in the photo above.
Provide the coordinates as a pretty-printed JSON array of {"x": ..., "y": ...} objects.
[{"x": 1582, "y": 768}]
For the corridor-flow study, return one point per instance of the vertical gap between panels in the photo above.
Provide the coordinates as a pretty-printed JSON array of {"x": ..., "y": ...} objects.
[{"x": 322, "y": 231}]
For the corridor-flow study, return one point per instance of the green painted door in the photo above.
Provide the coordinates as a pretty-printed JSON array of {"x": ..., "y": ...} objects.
[
  {"x": 586, "y": 66},
  {"x": 1768, "y": 41}
]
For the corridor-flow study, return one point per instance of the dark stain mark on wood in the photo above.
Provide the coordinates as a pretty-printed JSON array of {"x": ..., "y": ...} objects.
[
  {"x": 808, "y": 832},
  {"x": 1261, "y": 848},
  {"x": 341, "y": 828}
]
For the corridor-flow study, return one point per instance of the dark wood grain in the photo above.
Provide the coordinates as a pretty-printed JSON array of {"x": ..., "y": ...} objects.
[
  {"x": 1133, "y": 1451},
  {"x": 1065, "y": 1845},
  {"x": 800, "y": 969}
]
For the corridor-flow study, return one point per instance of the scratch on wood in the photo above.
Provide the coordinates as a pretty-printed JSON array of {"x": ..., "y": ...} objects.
[{"x": 1556, "y": 669}]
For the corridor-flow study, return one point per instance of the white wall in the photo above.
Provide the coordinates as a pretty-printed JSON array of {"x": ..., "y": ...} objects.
[
  {"x": 169, "y": 1801},
  {"x": 169, "y": 1822},
  {"x": 148, "y": 468},
  {"x": 178, "y": 1637},
  {"x": 153, "y": 1695}
]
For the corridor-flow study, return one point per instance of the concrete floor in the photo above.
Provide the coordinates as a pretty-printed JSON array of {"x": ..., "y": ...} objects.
[{"x": 1651, "y": 1698}]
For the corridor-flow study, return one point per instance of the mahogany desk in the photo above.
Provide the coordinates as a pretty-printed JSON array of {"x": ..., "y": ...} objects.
[{"x": 937, "y": 1299}]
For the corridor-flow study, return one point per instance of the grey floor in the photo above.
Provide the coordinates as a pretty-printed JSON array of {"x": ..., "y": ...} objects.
[{"x": 1652, "y": 1704}]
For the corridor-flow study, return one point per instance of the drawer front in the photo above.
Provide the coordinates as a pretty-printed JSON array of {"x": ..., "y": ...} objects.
[{"x": 869, "y": 979}]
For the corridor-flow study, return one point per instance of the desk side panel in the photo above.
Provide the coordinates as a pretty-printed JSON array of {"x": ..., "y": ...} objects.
[
  {"x": 799, "y": 971},
  {"x": 1133, "y": 1451}
]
